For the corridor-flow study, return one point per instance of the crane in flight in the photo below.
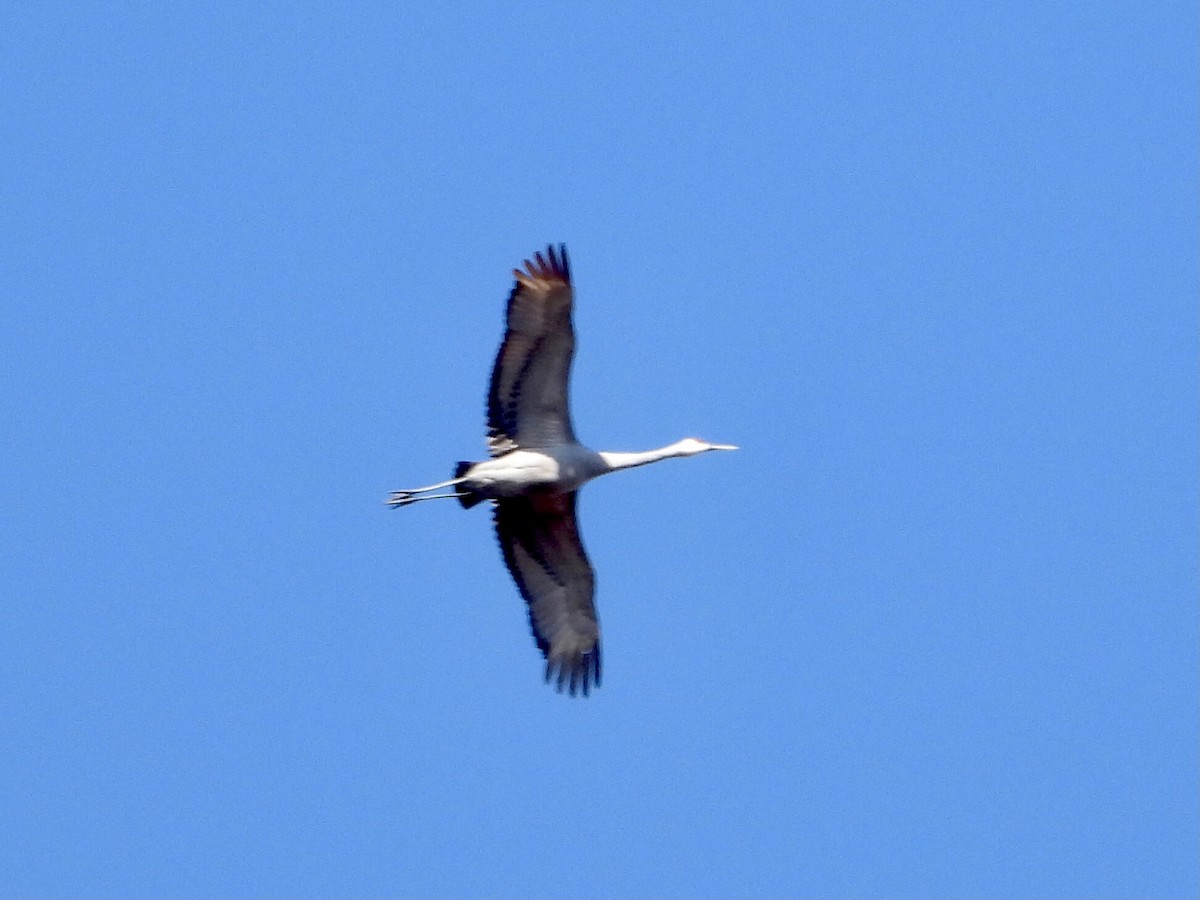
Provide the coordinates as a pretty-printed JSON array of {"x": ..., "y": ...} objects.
[{"x": 537, "y": 468}]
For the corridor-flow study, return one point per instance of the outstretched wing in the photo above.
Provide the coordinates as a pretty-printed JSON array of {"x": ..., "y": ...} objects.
[
  {"x": 540, "y": 540},
  {"x": 527, "y": 400}
]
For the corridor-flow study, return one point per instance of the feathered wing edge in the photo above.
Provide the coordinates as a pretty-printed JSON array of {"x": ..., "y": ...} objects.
[
  {"x": 539, "y": 538},
  {"x": 541, "y": 276}
]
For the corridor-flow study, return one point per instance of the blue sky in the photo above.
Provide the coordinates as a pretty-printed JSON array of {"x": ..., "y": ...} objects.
[{"x": 931, "y": 633}]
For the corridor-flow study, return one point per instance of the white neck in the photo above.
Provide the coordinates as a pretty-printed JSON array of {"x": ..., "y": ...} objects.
[{"x": 616, "y": 461}]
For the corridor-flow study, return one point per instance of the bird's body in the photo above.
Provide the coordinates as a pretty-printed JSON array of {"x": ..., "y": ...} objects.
[
  {"x": 563, "y": 468},
  {"x": 537, "y": 468}
]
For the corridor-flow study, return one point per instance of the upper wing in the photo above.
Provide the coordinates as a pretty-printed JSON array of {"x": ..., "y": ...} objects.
[
  {"x": 527, "y": 400},
  {"x": 540, "y": 540}
]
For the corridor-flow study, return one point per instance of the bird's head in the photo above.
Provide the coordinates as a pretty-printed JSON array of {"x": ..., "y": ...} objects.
[{"x": 692, "y": 446}]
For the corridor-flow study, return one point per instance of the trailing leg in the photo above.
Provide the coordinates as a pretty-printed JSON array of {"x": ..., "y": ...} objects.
[
  {"x": 464, "y": 495},
  {"x": 403, "y": 498}
]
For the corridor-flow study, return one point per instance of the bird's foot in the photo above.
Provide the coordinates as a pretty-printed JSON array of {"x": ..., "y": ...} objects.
[{"x": 401, "y": 498}]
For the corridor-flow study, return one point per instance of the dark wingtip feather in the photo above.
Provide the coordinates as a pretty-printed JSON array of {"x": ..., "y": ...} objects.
[
  {"x": 547, "y": 265},
  {"x": 574, "y": 676}
]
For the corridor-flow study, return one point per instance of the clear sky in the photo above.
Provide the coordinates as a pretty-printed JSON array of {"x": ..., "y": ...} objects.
[{"x": 932, "y": 633}]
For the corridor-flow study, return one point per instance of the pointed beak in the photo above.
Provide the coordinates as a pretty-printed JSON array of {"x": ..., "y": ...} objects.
[{"x": 723, "y": 446}]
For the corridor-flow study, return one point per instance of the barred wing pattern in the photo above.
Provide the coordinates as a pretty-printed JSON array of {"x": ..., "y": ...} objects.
[
  {"x": 539, "y": 536},
  {"x": 527, "y": 401}
]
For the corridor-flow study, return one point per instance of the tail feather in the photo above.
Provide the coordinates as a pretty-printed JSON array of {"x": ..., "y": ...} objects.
[{"x": 466, "y": 496}]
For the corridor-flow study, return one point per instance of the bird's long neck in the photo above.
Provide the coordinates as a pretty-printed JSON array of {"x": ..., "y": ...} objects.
[{"x": 616, "y": 461}]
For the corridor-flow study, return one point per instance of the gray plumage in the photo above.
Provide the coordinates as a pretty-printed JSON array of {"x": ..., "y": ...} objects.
[{"x": 537, "y": 468}]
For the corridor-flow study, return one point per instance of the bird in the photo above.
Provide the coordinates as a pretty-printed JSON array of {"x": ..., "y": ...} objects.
[{"x": 536, "y": 468}]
